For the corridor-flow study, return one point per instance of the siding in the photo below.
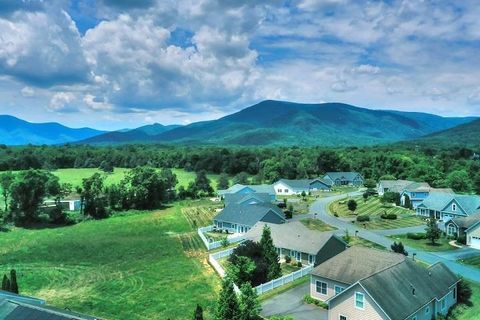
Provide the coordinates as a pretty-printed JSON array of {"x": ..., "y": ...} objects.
[
  {"x": 330, "y": 288},
  {"x": 282, "y": 186},
  {"x": 345, "y": 305}
]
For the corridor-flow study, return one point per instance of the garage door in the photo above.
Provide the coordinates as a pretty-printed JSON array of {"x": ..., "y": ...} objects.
[{"x": 475, "y": 242}]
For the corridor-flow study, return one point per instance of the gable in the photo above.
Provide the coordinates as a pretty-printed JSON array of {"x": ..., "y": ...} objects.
[
  {"x": 272, "y": 217},
  {"x": 246, "y": 190},
  {"x": 449, "y": 208}
]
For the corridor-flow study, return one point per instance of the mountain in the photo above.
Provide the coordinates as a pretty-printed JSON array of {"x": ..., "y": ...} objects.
[
  {"x": 464, "y": 135},
  {"x": 14, "y": 131},
  {"x": 140, "y": 134},
  {"x": 328, "y": 124}
]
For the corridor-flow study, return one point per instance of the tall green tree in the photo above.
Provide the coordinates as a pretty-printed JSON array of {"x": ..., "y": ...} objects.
[
  {"x": 198, "y": 314},
  {"x": 241, "y": 178},
  {"x": 223, "y": 182},
  {"x": 6, "y": 181},
  {"x": 227, "y": 306},
  {"x": 201, "y": 186},
  {"x": 248, "y": 303},
  {"x": 432, "y": 231},
  {"x": 241, "y": 271},
  {"x": 270, "y": 255},
  {"x": 147, "y": 188},
  {"x": 352, "y": 205},
  {"x": 459, "y": 181},
  {"x": 5, "y": 283},
  {"x": 13, "y": 281},
  {"x": 93, "y": 197}
]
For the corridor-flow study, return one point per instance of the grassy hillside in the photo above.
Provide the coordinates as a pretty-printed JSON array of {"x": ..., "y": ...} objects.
[
  {"x": 467, "y": 135},
  {"x": 139, "y": 266}
]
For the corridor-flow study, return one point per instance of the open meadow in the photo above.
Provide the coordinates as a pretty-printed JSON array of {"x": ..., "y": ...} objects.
[{"x": 137, "y": 265}]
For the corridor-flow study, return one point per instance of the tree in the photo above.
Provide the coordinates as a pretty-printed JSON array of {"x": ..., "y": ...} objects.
[
  {"x": 370, "y": 183},
  {"x": 352, "y": 205},
  {"x": 464, "y": 292},
  {"x": 365, "y": 196},
  {"x": 13, "y": 281},
  {"x": 459, "y": 181},
  {"x": 223, "y": 182},
  {"x": 6, "y": 181},
  {"x": 198, "y": 314},
  {"x": 201, "y": 186},
  {"x": 106, "y": 166},
  {"x": 170, "y": 180},
  {"x": 227, "y": 306},
  {"x": 249, "y": 305},
  {"x": 391, "y": 197},
  {"x": 399, "y": 248},
  {"x": 407, "y": 202},
  {"x": 241, "y": 178},
  {"x": 476, "y": 183},
  {"x": 270, "y": 255},
  {"x": 146, "y": 187},
  {"x": 92, "y": 194},
  {"x": 5, "y": 283},
  {"x": 241, "y": 271},
  {"x": 432, "y": 231}
]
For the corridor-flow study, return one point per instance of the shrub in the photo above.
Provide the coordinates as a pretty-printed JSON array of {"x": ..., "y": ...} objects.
[
  {"x": 462, "y": 239},
  {"x": 288, "y": 259},
  {"x": 288, "y": 214},
  {"x": 363, "y": 218},
  {"x": 309, "y": 300},
  {"x": 299, "y": 264},
  {"x": 416, "y": 236},
  {"x": 335, "y": 214},
  {"x": 464, "y": 292},
  {"x": 389, "y": 216}
]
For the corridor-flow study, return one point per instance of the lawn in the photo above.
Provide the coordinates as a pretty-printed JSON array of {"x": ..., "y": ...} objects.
[
  {"x": 374, "y": 209},
  {"x": 424, "y": 244},
  {"x": 463, "y": 312},
  {"x": 357, "y": 241},
  {"x": 473, "y": 261},
  {"x": 147, "y": 265},
  {"x": 318, "y": 225},
  {"x": 288, "y": 268}
]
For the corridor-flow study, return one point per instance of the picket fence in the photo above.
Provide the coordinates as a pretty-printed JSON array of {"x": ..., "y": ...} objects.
[{"x": 210, "y": 245}]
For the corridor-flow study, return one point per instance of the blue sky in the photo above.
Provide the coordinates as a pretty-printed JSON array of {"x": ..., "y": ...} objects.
[{"x": 114, "y": 64}]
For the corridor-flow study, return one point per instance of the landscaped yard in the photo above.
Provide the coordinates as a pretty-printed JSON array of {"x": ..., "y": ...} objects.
[
  {"x": 424, "y": 244},
  {"x": 463, "y": 312},
  {"x": 143, "y": 265},
  {"x": 473, "y": 261},
  {"x": 315, "y": 224},
  {"x": 358, "y": 241},
  {"x": 288, "y": 268},
  {"x": 374, "y": 209}
]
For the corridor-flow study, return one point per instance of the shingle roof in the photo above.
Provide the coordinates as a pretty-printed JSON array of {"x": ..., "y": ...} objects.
[
  {"x": 259, "y": 188},
  {"x": 395, "y": 185},
  {"x": 232, "y": 198},
  {"x": 13, "y": 310},
  {"x": 247, "y": 214},
  {"x": 466, "y": 222},
  {"x": 301, "y": 183},
  {"x": 418, "y": 187},
  {"x": 292, "y": 235},
  {"x": 439, "y": 200},
  {"x": 404, "y": 288},
  {"x": 339, "y": 175},
  {"x": 356, "y": 263}
]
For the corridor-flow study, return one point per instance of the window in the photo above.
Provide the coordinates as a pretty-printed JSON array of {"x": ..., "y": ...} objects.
[
  {"x": 279, "y": 190},
  {"x": 443, "y": 304},
  {"x": 341, "y": 317},
  {"x": 311, "y": 259},
  {"x": 286, "y": 190},
  {"x": 321, "y": 287},
  {"x": 359, "y": 300},
  {"x": 454, "y": 207},
  {"x": 427, "y": 310},
  {"x": 338, "y": 289}
]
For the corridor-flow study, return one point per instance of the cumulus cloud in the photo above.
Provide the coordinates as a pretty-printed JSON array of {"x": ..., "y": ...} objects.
[
  {"x": 27, "y": 92},
  {"x": 62, "y": 102}
]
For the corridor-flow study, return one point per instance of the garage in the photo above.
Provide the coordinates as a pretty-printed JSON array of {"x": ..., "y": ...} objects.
[{"x": 475, "y": 242}]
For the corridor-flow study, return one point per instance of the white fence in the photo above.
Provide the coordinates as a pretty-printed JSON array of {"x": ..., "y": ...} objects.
[
  {"x": 215, "y": 244},
  {"x": 265, "y": 287}
]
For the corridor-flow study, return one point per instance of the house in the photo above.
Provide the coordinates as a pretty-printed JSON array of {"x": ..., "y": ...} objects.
[
  {"x": 384, "y": 286},
  {"x": 445, "y": 206},
  {"x": 469, "y": 227},
  {"x": 69, "y": 203},
  {"x": 344, "y": 179},
  {"x": 251, "y": 188},
  {"x": 293, "y": 239},
  {"x": 241, "y": 217},
  {"x": 249, "y": 198},
  {"x": 419, "y": 191},
  {"x": 392, "y": 186},
  {"x": 19, "y": 307},
  {"x": 292, "y": 187}
]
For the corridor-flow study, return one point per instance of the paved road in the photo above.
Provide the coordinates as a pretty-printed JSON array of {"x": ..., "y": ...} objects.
[
  {"x": 290, "y": 303},
  {"x": 319, "y": 210}
]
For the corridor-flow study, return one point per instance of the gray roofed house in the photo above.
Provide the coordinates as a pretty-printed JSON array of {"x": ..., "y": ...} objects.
[
  {"x": 15, "y": 310},
  {"x": 344, "y": 179},
  {"x": 250, "y": 198},
  {"x": 468, "y": 227},
  {"x": 444, "y": 205},
  {"x": 304, "y": 245},
  {"x": 401, "y": 291},
  {"x": 392, "y": 186},
  {"x": 251, "y": 188},
  {"x": 239, "y": 218},
  {"x": 291, "y": 187}
]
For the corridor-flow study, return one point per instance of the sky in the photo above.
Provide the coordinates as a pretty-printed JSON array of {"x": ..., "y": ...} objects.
[{"x": 112, "y": 64}]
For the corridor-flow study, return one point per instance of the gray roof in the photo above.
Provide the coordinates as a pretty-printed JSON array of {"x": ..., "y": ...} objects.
[
  {"x": 395, "y": 185},
  {"x": 292, "y": 235},
  {"x": 418, "y": 187},
  {"x": 404, "y": 288},
  {"x": 303, "y": 184},
  {"x": 14, "y": 310},
  {"x": 259, "y": 188},
  {"x": 466, "y": 222},
  {"x": 247, "y": 214},
  {"x": 438, "y": 201},
  {"x": 356, "y": 263},
  {"x": 237, "y": 198},
  {"x": 345, "y": 175}
]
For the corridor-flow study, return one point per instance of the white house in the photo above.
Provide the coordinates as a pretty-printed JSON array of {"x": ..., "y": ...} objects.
[{"x": 287, "y": 187}]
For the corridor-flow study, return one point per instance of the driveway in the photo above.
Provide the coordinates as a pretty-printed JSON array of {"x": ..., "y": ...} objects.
[
  {"x": 320, "y": 208},
  {"x": 290, "y": 303}
]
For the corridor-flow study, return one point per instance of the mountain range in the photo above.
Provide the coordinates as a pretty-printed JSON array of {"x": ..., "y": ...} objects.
[
  {"x": 273, "y": 123},
  {"x": 465, "y": 135}
]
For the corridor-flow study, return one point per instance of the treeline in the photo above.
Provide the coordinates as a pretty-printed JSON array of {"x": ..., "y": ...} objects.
[{"x": 458, "y": 168}]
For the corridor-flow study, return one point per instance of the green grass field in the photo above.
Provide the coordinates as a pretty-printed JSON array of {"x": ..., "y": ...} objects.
[
  {"x": 473, "y": 261},
  {"x": 318, "y": 225},
  {"x": 358, "y": 241},
  {"x": 143, "y": 265},
  {"x": 374, "y": 209},
  {"x": 424, "y": 244}
]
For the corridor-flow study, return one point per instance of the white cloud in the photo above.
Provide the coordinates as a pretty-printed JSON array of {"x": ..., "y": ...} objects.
[
  {"x": 27, "y": 92},
  {"x": 61, "y": 102}
]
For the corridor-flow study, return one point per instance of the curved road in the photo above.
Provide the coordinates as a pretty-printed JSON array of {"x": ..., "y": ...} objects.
[{"x": 319, "y": 210}]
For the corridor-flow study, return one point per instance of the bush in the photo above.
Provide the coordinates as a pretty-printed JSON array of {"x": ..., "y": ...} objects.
[
  {"x": 299, "y": 264},
  {"x": 309, "y": 300},
  {"x": 288, "y": 214},
  {"x": 389, "y": 216},
  {"x": 462, "y": 239},
  {"x": 464, "y": 292},
  {"x": 416, "y": 236},
  {"x": 288, "y": 259},
  {"x": 335, "y": 214},
  {"x": 363, "y": 218}
]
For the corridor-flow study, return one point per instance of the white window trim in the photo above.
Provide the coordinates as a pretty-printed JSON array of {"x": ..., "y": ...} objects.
[
  {"x": 454, "y": 207},
  {"x": 443, "y": 304},
  {"x": 363, "y": 300},
  {"x": 335, "y": 289},
  {"x": 316, "y": 287}
]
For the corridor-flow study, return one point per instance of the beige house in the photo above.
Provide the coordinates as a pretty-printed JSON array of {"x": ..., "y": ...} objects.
[
  {"x": 293, "y": 239},
  {"x": 469, "y": 227},
  {"x": 369, "y": 284}
]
